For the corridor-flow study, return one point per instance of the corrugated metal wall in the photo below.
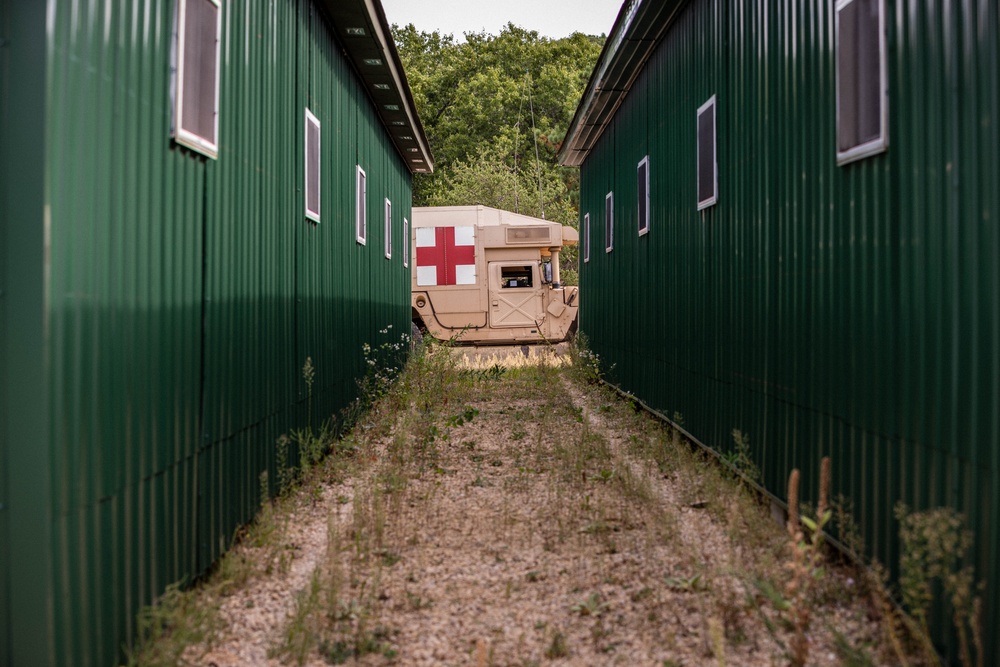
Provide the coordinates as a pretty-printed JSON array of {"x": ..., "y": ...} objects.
[
  {"x": 846, "y": 311},
  {"x": 5, "y": 24},
  {"x": 183, "y": 296},
  {"x": 26, "y": 513}
]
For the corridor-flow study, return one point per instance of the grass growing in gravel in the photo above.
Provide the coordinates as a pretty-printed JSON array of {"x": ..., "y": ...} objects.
[
  {"x": 640, "y": 543},
  {"x": 516, "y": 511}
]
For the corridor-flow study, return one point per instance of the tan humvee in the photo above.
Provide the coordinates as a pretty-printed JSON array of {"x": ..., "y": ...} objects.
[{"x": 491, "y": 276}]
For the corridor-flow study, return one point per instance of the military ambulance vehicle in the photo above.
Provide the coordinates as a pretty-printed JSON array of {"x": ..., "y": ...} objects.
[{"x": 490, "y": 277}]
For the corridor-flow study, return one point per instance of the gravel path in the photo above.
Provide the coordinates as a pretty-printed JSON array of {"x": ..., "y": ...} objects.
[{"x": 533, "y": 532}]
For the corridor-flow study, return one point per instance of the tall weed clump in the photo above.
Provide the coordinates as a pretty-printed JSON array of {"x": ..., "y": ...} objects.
[
  {"x": 587, "y": 364},
  {"x": 934, "y": 544},
  {"x": 383, "y": 363},
  {"x": 806, "y": 561}
]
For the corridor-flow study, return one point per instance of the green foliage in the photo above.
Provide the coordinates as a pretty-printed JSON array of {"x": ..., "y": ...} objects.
[
  {"x": 286, "y": 472},
  {"x": 691, "y": 584},
  {"x": 934, "y": 545},
  {"x": 166, "y": 628},
  {"x": 740, "y": 460},
  {"x": 299, "y": 635},
  {"x": 847, "y": 526},
  {"x": 558, "y": 647},
  {"x": 463, "y": 417},
  {"x": 593, "y": 605},
  {"x": 383, "y": 363},
  {"x": 492, "y": 374},
  {"x": 340, "y": 652},
  {"x": 586, "y": 364},
  {"x": 805, "y": 568},
  {"x": 850, "y": 655},
  {"x": 489, "y": 106},
  {"x": 312, "y": 445}
]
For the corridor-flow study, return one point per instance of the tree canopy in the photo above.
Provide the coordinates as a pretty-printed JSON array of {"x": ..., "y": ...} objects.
[{"x": 484, "y": 102}]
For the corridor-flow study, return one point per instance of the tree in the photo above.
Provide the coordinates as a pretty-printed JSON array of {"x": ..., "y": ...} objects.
[{"x": 487, "y": 105}]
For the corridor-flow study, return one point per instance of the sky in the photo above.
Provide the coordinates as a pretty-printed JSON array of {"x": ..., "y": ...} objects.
[{"x": 551, "y": 18}]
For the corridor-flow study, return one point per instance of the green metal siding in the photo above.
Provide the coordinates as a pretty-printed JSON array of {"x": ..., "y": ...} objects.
[
  {"x": 125, "y": 286},
  {"x": 161, "y": 305},
  {"x": 27, "y": 508},
  {"x": 846, "y": 311},
  {"x": 4, "y": 286}
]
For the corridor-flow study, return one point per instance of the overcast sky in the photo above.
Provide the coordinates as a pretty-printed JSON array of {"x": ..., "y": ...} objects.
[{"x": 551, "y": 18}]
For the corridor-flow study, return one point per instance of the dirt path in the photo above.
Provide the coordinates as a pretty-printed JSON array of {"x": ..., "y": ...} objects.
[{"x": 526, "y": 518}]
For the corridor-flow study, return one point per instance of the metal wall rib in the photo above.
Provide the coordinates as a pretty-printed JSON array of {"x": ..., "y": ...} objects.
[
  {"x": 5, "y": 284},
  {"x": 847, "y": 311}
]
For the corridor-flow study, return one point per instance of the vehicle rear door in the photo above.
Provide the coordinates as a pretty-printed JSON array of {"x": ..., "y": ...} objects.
[{"x": 515, "y": 295}]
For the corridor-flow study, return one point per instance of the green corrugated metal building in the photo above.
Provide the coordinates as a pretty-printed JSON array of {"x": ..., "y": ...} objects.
[
  {"x": 805, "y": 201},
  {"x": 180, "y": 228}
]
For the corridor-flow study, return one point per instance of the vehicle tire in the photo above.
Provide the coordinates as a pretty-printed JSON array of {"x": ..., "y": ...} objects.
[{"x": 571, "y": 334}]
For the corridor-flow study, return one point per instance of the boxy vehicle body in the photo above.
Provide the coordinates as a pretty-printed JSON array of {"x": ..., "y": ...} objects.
[{"x": 485, "y": 276}]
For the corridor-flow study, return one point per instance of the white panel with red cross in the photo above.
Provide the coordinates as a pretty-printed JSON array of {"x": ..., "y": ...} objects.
[{"x": 446, "y": 255}]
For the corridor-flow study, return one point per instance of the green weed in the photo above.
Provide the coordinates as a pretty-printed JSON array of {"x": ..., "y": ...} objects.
[
  {"x": 558, "y": 646},
  {"x": 592, "y": 605},
  {"x": 177, "y": 620},
  {"x": 934, "y": 546}
]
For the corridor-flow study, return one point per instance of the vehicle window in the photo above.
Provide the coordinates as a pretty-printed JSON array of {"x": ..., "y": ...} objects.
[{"x": 515, "y": 276}]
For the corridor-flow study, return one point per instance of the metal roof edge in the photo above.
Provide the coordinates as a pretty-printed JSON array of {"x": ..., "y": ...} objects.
[
  {"x": 399, "y": 75},
  {"x": 600, "y": 101},
  {"x": 368, "y": 40}
]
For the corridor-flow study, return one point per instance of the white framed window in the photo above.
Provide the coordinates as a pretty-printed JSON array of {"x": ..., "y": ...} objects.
[
  {"x": 862, "y": 80},
  {"x": 360, "y": 207},
  {"x": 388, "y": 229},
  {"x": 708, "y": 169},
  {"x": 312, "y": 189},
  {"x": 586, "y": 237},
  {"x": 406, "y": 243},
  {"x": 195, "y": 76},
  {"x": 609, "y": 222},
  {"x": 642, "y": 187}
]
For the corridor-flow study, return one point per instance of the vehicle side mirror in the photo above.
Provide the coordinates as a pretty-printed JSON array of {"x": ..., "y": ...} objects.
[{"x": 547, "y": 272}]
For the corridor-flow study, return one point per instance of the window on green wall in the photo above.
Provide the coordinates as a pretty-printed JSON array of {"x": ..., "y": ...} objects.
[
  {"x": 312, "y": 166},
  {"x": 360, "y": 207},
  {"x": 609, "y": 222},
  {"x": 708, "y": 168},
  {"x": 406, "y": 243},
  {"x": 642, "y": 187},
  {"x": 388, "y": 229},
  {"x": 195, "y": 76},
  {"x": 862, "y": 90},
  {"x": 586, "y": 237}
]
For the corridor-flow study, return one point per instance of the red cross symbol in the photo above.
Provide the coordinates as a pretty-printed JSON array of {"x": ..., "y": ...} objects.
[{"x": 445, "y": 255}]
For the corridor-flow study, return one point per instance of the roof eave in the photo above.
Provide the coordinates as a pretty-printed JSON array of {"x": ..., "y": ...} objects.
[
  {"x": 638, "y": 30},
  {"x": 362, "y": 29}
]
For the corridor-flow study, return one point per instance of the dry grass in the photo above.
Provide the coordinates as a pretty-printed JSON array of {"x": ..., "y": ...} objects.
[
  {"x": 499, "y": 512},
  {"x": 510, "y": 356}
]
